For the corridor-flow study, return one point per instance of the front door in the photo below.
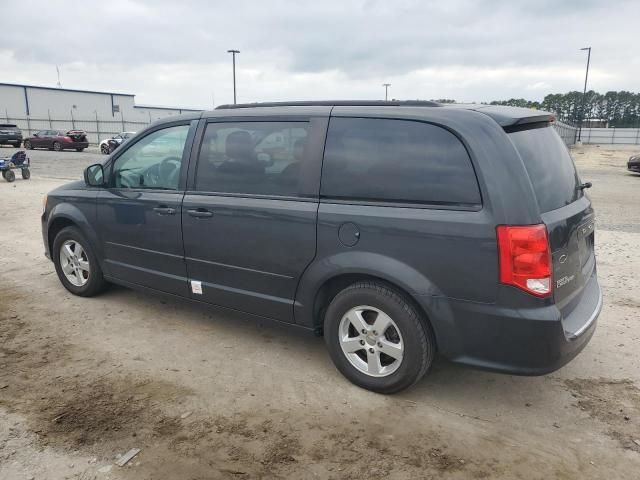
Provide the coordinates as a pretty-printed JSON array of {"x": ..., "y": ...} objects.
[
  {"x": 249, "y": 218},
  {"x": 139, "y": 212}
]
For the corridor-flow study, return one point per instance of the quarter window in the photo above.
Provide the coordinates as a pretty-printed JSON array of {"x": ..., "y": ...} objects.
[
  {"x": 261, "y": 158},
  {"x": 397, "y": 161},
  {"x": 152, "y": 162}
]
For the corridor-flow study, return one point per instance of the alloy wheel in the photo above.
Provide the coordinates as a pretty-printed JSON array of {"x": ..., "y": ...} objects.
[
  {"x": 74, "y": 263},
  {"x": 371, "y": 341}
]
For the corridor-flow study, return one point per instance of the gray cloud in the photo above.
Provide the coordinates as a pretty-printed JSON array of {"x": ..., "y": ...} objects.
[{"x": 363, "y": 41}]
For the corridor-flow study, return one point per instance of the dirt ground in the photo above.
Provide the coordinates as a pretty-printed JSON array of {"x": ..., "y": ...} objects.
[{"x": 206, "y": 394}]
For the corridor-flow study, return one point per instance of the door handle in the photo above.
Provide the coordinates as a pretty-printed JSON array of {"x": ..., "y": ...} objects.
[
  {"x": 200, "y": 213},
  {"x": 164, "y": 210}
]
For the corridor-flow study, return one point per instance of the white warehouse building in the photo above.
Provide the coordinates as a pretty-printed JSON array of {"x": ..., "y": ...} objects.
[{"x": 100, "y": 114}]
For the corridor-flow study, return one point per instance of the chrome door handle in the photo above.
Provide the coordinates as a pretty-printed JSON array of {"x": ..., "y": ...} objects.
[
  {"x": 164, "y": 210},
  {"x": 200, "y": 213}
]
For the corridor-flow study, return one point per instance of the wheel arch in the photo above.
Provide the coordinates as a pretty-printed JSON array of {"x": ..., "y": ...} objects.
[
  {"x": 66, "y": 215},
  {"x": 324, "y": 280}
]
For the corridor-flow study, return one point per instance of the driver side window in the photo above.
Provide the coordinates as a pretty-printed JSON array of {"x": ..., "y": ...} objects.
[{"x": 152, "y": 162}]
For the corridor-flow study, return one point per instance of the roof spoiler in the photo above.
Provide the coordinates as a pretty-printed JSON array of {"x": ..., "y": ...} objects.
[{"x": 512, "y": 116}]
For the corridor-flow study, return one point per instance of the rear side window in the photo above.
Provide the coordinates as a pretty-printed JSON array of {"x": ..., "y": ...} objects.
[
  {"x": 254, "y": 158},
  {"x": 549, "y": 165},
  {"x": 397, "y": 161}
]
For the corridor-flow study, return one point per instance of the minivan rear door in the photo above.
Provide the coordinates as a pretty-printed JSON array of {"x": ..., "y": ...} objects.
[{"x": 565, "y": 209}]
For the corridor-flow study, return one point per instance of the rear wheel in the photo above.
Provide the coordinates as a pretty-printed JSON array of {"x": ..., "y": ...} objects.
[
  {"x": 377, "y": 338},
  {"x": 76, "y": 264},
  {"x": 104, "y": 148},
  {"x": 57, "y": 146},
  {"x": 9, "y": 176},
  {"x": 17, "y": 145},
  {"x": 27, "y": 145}
]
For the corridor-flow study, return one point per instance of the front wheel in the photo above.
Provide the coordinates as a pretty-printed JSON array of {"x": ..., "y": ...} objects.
[
  {"x": 104, "y": 149},
  {"x": 26, "y": 173},
  {"x": 377, "y": 338},
  {"x": 76, "y": 264}
]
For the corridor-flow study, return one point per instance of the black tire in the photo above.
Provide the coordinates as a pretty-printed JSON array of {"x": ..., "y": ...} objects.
[
  {"x": 28, "y": 145},
  {"x": 57, "y": 146},
  {"x": 26, "y": 174},
  {"x": 9, "y": 176},
  {"x": 95, "y": 283},
  {"x": 79, "y": 149},
  {"x": 419, "y": 341},
  {"x": 17, "y": 145}
]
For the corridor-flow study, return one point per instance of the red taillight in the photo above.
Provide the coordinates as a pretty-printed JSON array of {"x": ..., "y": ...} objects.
[
  {"x": 66, "y": 139},
  {"x": 525, "y": 258}
]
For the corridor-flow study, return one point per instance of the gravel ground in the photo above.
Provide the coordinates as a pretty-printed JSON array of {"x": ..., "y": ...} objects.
[{"x": 206, "y": 394}]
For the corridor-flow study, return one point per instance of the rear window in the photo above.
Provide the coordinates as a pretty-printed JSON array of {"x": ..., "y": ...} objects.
[
  {"x": 396, "y": 161},
  {"x": 549, "y": 165}
]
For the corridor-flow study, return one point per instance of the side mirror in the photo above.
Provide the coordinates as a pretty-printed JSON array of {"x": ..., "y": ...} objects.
[
  {"x": 94, "y": 175},
  {"x": 36, "y": 135}
]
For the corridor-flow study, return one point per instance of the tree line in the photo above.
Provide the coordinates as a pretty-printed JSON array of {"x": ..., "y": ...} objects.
[{"x": 620, "y": 109}]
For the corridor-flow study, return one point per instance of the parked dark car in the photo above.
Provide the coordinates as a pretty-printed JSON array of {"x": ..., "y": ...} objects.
[
  {"x": 58, "y": 140},
  {"x": 633, "y": 165},
  {"x": 10, "y": 134},
  {"x": 395, "y": 229}
]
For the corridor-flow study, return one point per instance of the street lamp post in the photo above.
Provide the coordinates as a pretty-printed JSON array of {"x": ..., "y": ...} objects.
[
  {"x": 233, "y": 53},
  {"x": 584, "y": 92},
  {"x": 386, "y": 90}
]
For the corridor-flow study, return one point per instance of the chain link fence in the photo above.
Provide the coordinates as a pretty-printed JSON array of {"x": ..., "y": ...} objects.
[
  {"x": 567, "y": 132},
  {"x": 95, "y": 128}
]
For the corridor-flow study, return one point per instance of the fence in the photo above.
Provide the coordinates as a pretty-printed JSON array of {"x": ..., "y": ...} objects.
[
  {"x": 629, "y": 136},
  {"x": 97, "y": 129},
  {"x": 567, "y": 132}
]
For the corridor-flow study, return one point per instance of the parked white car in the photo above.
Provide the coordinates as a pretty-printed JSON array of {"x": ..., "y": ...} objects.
[{"x": 119, "y": 139}]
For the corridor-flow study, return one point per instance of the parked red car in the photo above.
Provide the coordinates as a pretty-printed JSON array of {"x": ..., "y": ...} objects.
[{"x": 58, "y": 140}]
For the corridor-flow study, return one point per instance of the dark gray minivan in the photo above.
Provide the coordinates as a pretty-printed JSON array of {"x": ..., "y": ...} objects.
[{"x": 395, "y": 229}]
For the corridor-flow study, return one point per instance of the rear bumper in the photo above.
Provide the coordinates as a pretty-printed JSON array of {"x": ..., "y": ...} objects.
[
  {"x": 531, "y": 341},
  {"x": 74, "y": 145},
  {"x": 11, "y": 139},
  {"x": 633, "y": 167}
]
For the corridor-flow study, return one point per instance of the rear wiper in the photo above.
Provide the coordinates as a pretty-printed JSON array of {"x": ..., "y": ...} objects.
[{"x": 584, "y": 185}]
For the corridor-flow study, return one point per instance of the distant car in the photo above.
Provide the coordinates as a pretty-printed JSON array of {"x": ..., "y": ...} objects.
[
  {"x": 108, "y": 145},
  {"x": 58, "y": 140},
  {"x": 10, "y": 134},
  {"x": 633, "y": 165}
]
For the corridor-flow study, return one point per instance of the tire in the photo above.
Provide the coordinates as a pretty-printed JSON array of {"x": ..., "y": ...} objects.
[
  {"x": 26, "y": 174},
  {"x": 79, "y": 149},
  {"x": 104, "y": 149},
  {"x": 17, "y": 145},
  {"x": 27, "y": 145},
  {"x": 409, "y": 328},
  {"x": 57, "y": 146},
  {"x": 94, "y": 281},
  {"x": 9, "y": 176}
]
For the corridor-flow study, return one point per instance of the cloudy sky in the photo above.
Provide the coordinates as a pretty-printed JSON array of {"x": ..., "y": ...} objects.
[{"x": 173, "y": 52}]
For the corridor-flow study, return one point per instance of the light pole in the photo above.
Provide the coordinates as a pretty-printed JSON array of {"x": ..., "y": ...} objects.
[
  {"x": 233, "y": 52},
  {"x": 584, "y": 92},
  {"x": 386, "y": 90}
]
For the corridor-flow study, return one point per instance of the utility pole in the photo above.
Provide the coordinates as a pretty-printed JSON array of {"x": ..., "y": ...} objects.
[
  {"x": 58, "y": 71},
  {"x": 386, "y": 90},
  {"x": 233, "y": 53},
  {"x": 584, "y": 93}
]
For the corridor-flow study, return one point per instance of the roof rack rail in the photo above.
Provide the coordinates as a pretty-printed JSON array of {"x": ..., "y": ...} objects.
[{"x": 335, "y": 103}]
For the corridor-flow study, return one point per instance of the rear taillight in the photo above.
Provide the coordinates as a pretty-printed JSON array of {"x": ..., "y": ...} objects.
[
  {"x": 525, "y": 258},
  {"x": 67, "y": 139}
]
